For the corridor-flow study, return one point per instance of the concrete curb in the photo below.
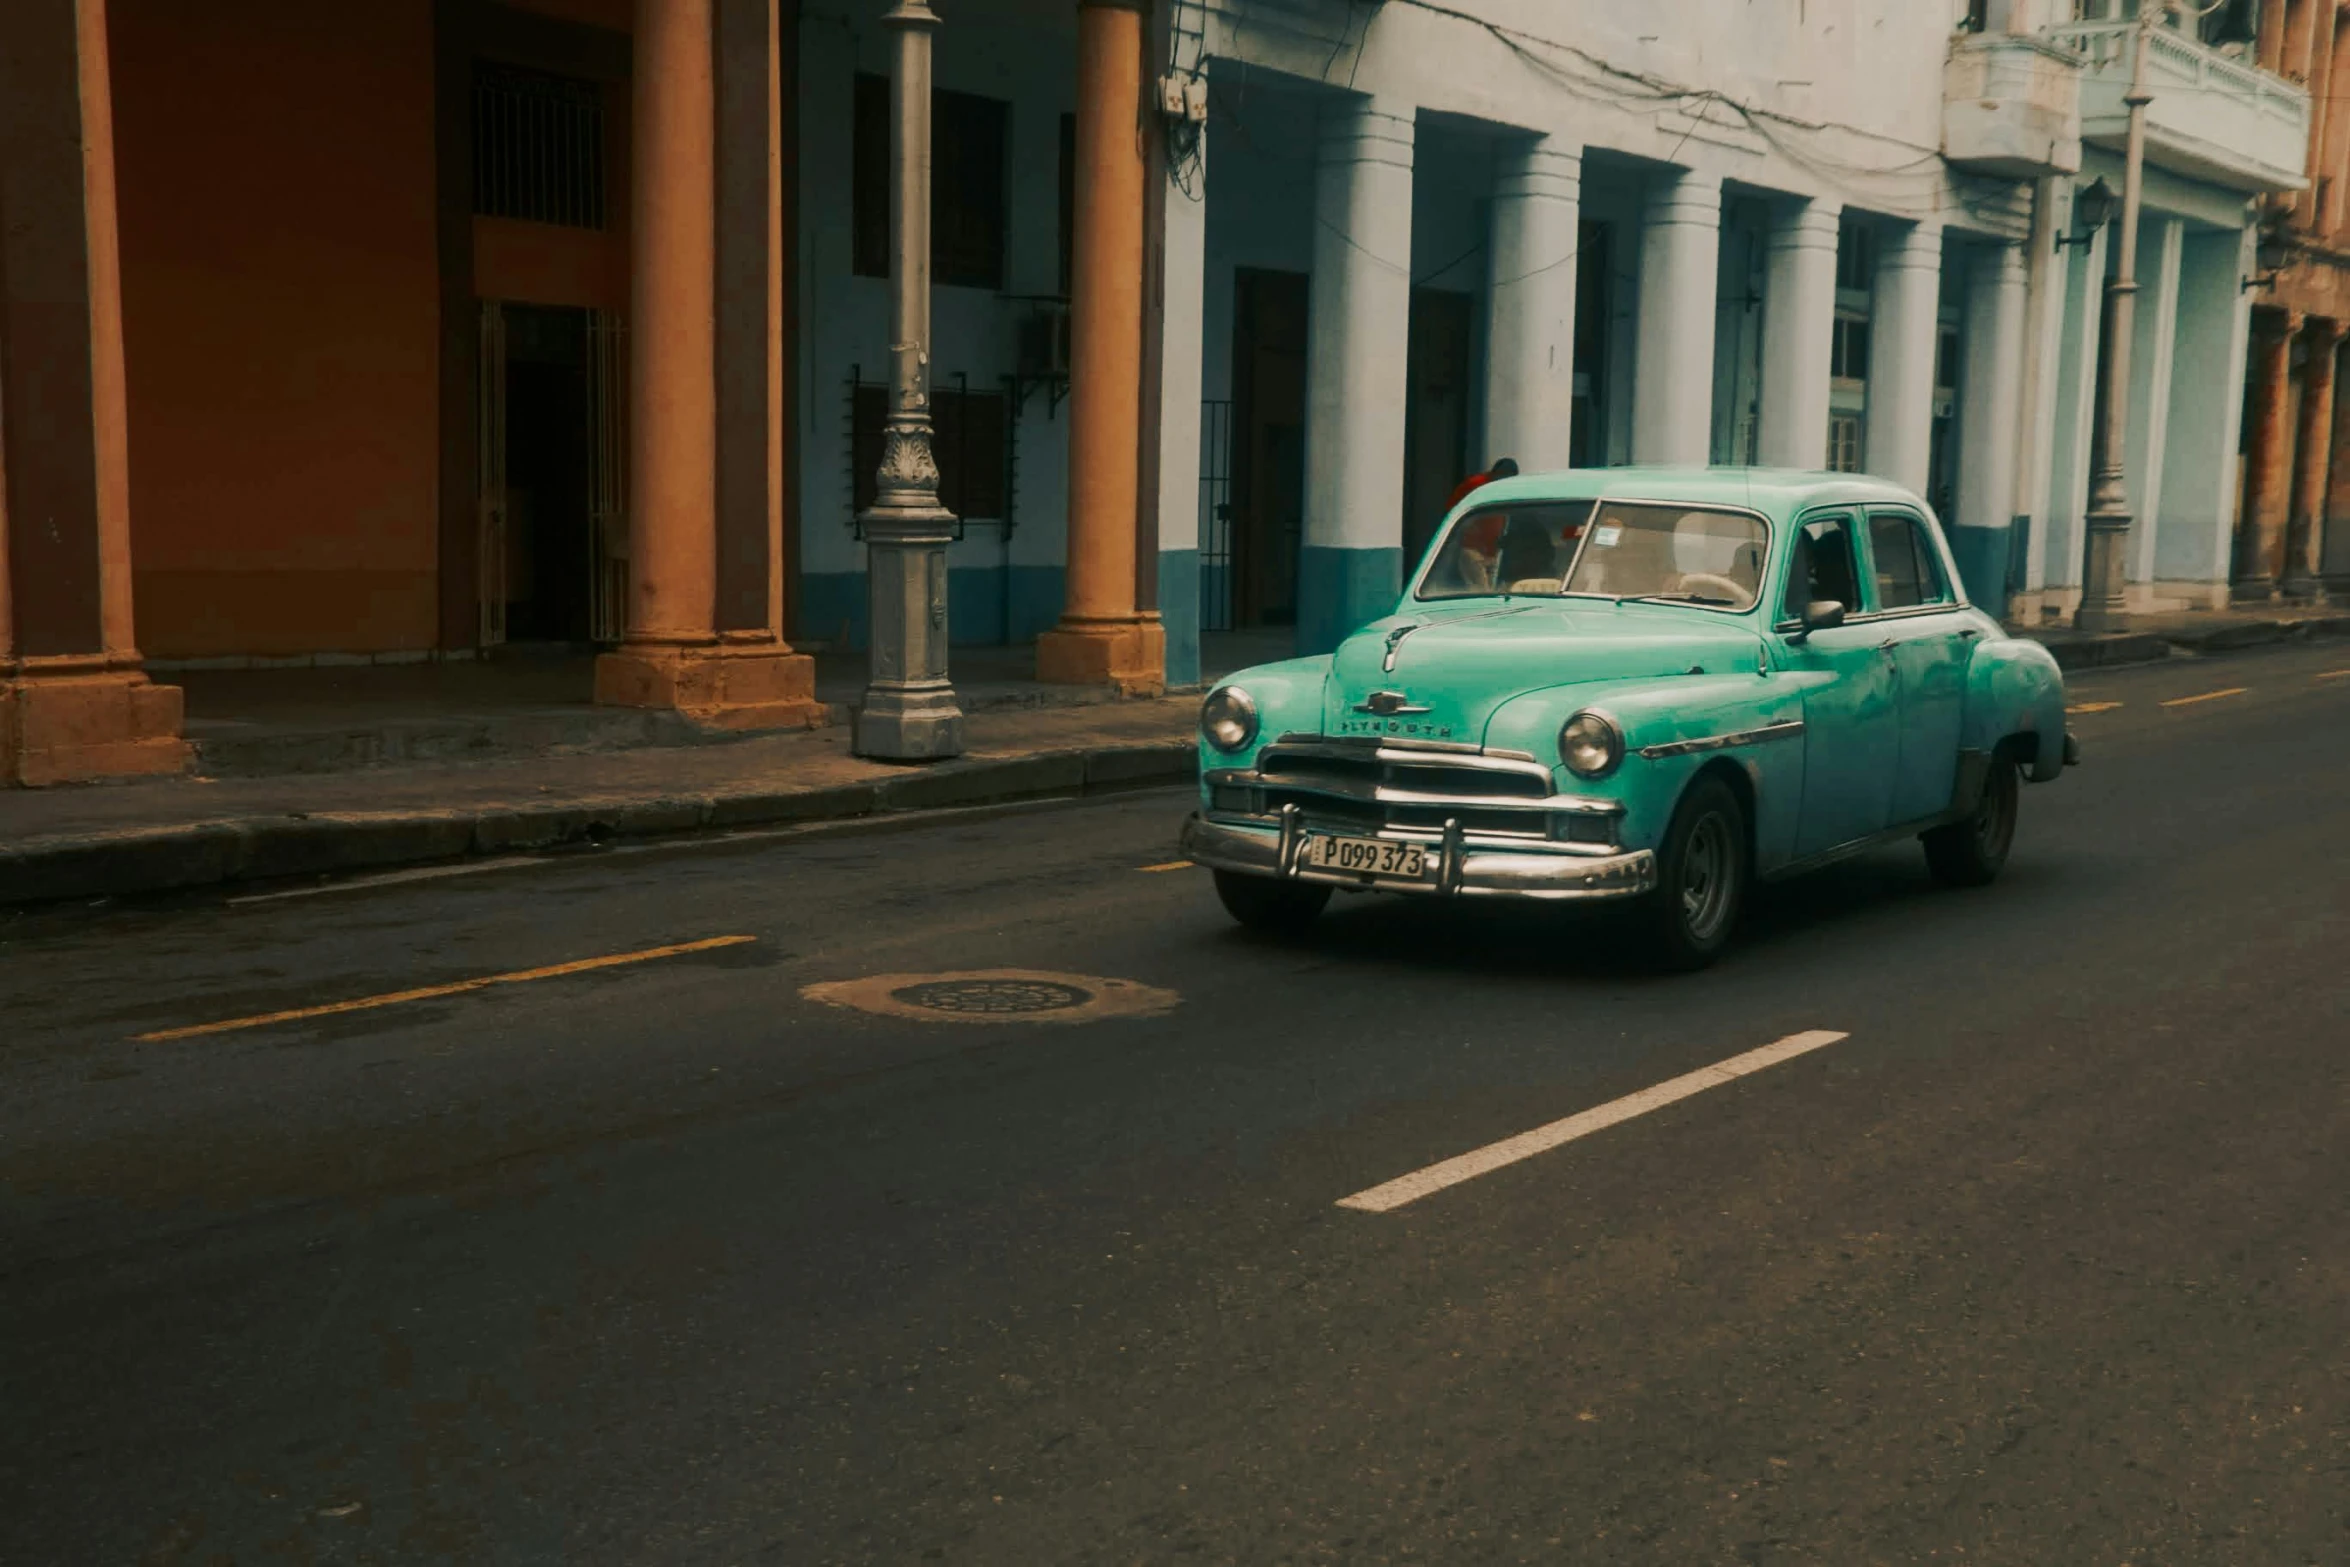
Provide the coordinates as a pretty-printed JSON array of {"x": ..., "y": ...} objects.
[
  {"x": 213, "y": 853},
  {"x": 2153, "y": 647}
]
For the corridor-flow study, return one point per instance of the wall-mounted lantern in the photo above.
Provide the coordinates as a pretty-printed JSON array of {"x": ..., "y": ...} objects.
[
  {"x": 2268, "y": 260},
  {"x": 2094, "y": 205}
]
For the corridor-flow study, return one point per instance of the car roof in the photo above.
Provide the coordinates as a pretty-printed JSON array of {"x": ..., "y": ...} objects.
[{"x": 1776, "y": 492}]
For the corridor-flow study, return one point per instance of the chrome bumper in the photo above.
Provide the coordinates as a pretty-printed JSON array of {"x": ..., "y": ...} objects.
[{"x": 1454, "y": 866}]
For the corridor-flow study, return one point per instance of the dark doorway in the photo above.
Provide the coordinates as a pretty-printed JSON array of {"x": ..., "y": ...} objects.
[
  {"x": 1268, "y": 443},
  {"x": 1586, "y": 437},
  {"x": 1436, "y": 413},
  {"x": 549, "y": 539}
]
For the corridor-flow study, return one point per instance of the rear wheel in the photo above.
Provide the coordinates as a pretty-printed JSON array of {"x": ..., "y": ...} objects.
[
  {"x": 1701, "y": 879},
  {"x": 1970, "y": 852},
  {"x": 1262, "y": 903}
]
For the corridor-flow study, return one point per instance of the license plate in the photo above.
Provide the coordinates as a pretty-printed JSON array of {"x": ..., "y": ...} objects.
[{"x": 1366, "y": 857}]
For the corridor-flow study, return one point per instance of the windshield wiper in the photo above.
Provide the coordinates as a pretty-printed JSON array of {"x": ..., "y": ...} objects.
[{"x": 1672, "y": 598}]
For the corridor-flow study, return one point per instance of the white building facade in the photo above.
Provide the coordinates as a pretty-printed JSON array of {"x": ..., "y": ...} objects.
[{"x": 1409, "y": 238}]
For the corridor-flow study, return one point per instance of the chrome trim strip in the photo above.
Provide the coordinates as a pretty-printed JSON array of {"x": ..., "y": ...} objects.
[
  {"x": 1401, "y": 705},
  {"x": 1383, "y": 750},
  {"x": 1787, "y": 730},
  {"x": 1382, "y": 794}
]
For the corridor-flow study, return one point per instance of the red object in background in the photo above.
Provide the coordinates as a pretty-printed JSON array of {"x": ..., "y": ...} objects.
[
  {"x": 1483, "y": 534},
  {"x": 1464, "y": 487}
]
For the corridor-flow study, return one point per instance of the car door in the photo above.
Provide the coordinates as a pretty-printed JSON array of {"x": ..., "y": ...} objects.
[
  {"x": 1931, "y": 639},
  {"x": 1851, "y": 717}
]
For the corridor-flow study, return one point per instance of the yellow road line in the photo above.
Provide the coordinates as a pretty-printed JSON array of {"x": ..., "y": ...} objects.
[
  {"x": 1171, "y": 865},
  {"x": 429, "y": 992},
  {"x": 2092, "y": 707},
  {"x": 2332, "y": 674},
  {"x": 2208, "y": 696}
]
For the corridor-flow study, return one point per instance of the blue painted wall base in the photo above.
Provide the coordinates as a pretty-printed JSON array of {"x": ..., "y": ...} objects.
[
  {"x": 976, "y": 602},
  {"x": 1179, "y": 613},
  {"x": 1339, "y": 591},
  {"x": 1982, "y": 565}
]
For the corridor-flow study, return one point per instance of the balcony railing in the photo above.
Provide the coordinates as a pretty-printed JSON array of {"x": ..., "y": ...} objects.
[{"x": 2207, "y": 116}]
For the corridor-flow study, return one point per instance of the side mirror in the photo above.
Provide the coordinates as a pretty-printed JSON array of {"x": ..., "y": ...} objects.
[{"x": 1818, "y": 615}]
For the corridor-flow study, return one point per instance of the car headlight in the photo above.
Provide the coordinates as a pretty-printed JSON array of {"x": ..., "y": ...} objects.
[
  {"x": 1228, "y": 718},
  {"x": 1591, "y": 745}
]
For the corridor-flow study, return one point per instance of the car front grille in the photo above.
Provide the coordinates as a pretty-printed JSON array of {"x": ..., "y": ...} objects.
[{"x": 1373, "y": 787}]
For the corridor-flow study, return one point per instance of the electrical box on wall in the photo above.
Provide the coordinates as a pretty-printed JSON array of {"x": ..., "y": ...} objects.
[{"x": 1184, "y": 98}]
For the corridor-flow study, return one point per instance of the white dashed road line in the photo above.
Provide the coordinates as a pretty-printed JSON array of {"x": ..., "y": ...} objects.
[{"x": 1391, "y": 1195}]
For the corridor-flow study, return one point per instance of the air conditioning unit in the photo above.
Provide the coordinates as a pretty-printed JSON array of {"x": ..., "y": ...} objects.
[{"x": 1044, "y": 341}]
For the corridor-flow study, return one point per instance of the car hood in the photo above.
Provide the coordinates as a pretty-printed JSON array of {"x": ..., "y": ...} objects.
[{"x": 1454, "y": 667}]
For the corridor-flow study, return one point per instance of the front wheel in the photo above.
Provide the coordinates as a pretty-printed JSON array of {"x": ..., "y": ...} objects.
[
  {"x": 1969, "y": 852},
  {"x": 1701, "y": 879},
  {"x": 1281, "y": 908}
]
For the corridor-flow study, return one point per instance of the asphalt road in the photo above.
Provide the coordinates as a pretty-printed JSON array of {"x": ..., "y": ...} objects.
[{"x": 2046, "y": 1261}]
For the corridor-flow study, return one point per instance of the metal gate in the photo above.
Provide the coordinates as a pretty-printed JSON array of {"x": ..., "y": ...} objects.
[
  {"x": 1215, "y": 509},
  {"x": 607, "y": 405},
  {"x": 490, "y": 504}
]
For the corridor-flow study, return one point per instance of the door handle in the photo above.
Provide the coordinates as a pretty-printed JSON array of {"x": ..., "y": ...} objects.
[
  {"x": 1888, "y": 645},
  {"x": 1969, "y": 634}
]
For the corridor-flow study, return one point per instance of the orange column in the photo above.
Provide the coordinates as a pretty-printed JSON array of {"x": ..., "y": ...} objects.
[
  {"x": 75, "y": 702},
  {"x": 2312, "y": 461},
  {"x": 2269, "y": 454},
  {"x": 717, "y": 656},
  {"x": 1102, "y": 638}
]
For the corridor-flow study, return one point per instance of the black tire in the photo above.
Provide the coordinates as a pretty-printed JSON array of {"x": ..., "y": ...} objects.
[
  {"x": 1702, "y": 875},
  {"x": 1280, "y": 908},
  {"x": 1969, "y": 853}
]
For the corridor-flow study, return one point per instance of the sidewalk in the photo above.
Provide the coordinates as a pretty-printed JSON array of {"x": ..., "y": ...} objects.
[
  {"x": 193, "y": 832},
  {"x": 2190, "y": 633}
]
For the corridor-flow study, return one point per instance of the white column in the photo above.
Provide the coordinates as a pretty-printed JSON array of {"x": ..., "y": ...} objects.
[
  {"x": 1182, "y": 332},
  {"x": 1903, "y": 326},
  {"x": 1359, "y": 308},
  {"x": 2076, "y": 413},
  {"x": 1991, "y": 382},
  {"x": 1673, "y": 373},
  {"x": 2043, "y": 340},
  {"x": 1530, "y": 346},
  {"x": 2154, "y": 334},
  {"x": 1799, "y": 327},
  {"x": 2208, "y": 357}
]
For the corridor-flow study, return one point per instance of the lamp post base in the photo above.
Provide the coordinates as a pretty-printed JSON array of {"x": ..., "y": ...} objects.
[{"x": 909, "y": 713}]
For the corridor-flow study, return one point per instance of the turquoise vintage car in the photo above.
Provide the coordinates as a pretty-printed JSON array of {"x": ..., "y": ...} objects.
[{"x": 1642, "y": 684}]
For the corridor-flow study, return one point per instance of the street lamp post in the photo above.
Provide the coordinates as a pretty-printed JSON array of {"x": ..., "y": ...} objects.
[
  {"x": 909, "y": 713},
  {"x": 2104, "y": 569}
]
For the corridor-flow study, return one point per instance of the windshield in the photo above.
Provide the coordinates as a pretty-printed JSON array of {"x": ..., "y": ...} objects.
[
  {"x": 1508, "y": 549},
  {"x": 1680, "y": 554}
]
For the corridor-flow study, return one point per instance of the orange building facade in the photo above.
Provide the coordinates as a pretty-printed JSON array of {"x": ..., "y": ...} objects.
[
  {"x": 395, "y": 330},
  {"x": 2293, "y": 531}
]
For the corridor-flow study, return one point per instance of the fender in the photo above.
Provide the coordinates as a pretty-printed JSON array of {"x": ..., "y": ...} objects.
[
  {"x": 1673, "y": 728},
  {"x": 2015, "y": 687}
]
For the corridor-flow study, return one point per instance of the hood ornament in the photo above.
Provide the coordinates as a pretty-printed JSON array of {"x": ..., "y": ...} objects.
[
  {"x": 1387, "y": 704},
  {"x": 1394, "y": 640}
]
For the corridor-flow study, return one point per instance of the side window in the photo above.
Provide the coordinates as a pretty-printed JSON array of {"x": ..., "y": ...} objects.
[
  {"x": 1822, "y": 567},
  {"x": 1909, "y": 573}
]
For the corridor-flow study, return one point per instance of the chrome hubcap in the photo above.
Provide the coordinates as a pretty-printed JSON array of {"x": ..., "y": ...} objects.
[{"x": 1707, "y": 870}]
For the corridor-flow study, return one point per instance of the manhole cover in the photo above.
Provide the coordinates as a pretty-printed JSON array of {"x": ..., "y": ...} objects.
[
  {"x": 999, "y": 996},
  {"x": 996, "y": 996}
]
